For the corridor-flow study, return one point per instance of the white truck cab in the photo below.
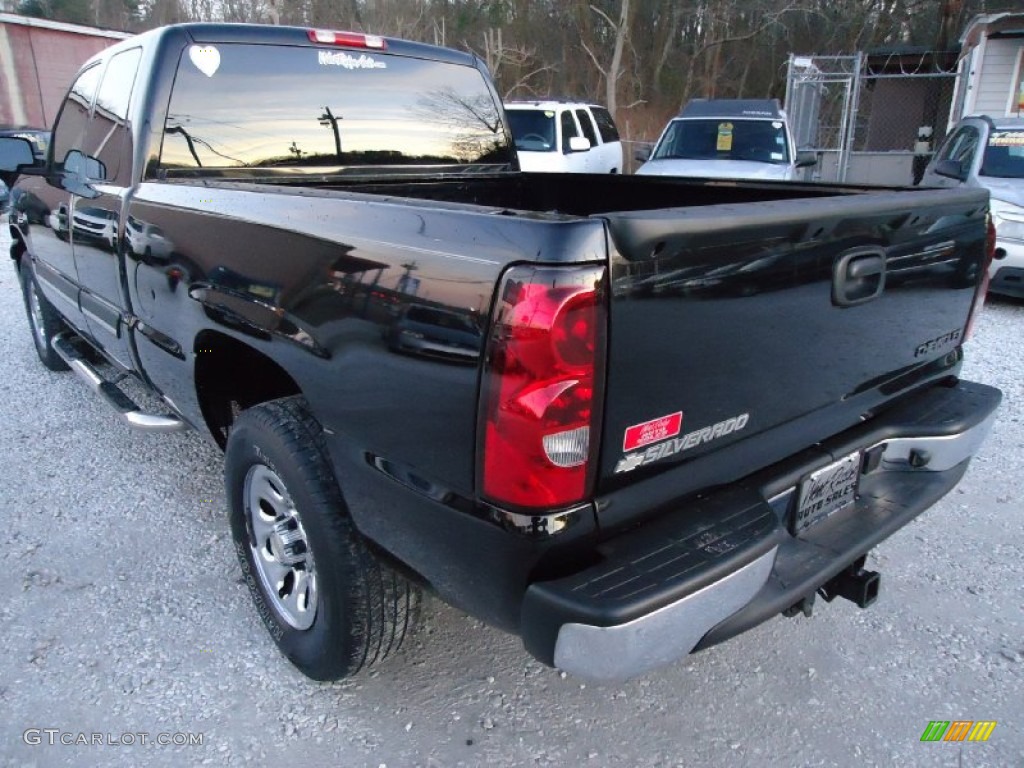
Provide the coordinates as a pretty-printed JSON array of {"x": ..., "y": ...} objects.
[
  {"x": 564, "y": 137},
  {"x": 727, "y": 138}
]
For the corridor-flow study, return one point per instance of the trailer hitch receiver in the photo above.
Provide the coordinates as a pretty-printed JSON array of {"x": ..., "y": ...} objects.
[{"x": 855, "y": 584}]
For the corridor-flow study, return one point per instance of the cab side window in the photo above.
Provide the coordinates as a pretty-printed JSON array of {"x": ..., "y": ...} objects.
[
  {"x": 108, "y": 138},
  {"x": 569, "y": 129},
  {"x": 69, "y": 133},
  {"x": 118, "y": 82},
  {"x": 605, "y": 124},
  {"x": 961, "y": 147},
  {"x": 587, "y": 126}
]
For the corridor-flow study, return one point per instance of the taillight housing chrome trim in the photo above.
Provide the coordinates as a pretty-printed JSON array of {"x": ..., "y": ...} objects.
[
  {"x": 542, "y": 387},
  {"x": 982, "y": 290}
]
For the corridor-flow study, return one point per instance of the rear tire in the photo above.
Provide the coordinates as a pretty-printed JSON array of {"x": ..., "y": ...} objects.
[
  {"x": 44, "y": 321},
  {"x": 330, "y": 604}
]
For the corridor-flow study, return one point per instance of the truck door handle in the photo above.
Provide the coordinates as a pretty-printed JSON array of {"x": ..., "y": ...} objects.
[
  {"x": 858, "y": 276},
  {"x": 865, "y": 266}
]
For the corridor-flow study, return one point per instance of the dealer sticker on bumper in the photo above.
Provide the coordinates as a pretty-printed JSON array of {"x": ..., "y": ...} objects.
[{"x": 826, "y": 491}]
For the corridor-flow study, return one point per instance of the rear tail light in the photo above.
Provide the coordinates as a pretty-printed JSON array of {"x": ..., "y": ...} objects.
[
  {"x": 347, "y": 39},
  {"x": 982, "y": 290},
  {"x": 542, "y": 386}
]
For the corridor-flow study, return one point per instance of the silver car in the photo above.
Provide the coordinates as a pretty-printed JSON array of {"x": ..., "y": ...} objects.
[{"x": 988, "y": 152}]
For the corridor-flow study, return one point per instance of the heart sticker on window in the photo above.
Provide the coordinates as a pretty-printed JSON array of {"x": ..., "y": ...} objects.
[{"x": 206, "y": 58}]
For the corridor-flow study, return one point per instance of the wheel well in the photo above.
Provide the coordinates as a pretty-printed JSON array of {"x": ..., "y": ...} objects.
[{"x": 232, "y": 376}]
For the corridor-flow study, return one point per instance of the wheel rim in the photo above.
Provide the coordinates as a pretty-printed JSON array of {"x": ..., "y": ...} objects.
[
  {"x": 280, "y": 548},
  {"x": 35, "y": 311}
]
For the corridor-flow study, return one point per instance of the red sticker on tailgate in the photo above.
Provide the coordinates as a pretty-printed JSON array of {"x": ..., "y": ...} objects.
[{"x": 653, "y": 431}]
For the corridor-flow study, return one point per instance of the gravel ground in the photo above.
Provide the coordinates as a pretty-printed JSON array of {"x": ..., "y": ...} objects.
[{"x": 126, "y": 617}]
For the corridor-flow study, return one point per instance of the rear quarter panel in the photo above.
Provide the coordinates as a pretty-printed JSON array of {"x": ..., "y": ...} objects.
[{"x": 316, "y": 280}]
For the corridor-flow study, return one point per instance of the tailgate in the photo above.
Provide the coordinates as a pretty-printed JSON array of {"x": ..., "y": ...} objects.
[{"x": 777, "y": 324}]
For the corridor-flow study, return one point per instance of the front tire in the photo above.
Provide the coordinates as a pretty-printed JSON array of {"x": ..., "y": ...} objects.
[
  {"x": 43, "y": 320},
  {"x": 330, "y": 604}
]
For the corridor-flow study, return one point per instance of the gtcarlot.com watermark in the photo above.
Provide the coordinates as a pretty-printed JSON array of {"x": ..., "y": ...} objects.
[{"x": 53, "y": 736}]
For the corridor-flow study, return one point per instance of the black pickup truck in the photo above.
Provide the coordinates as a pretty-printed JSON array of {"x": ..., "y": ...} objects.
[{"x": 622, "y": 417}]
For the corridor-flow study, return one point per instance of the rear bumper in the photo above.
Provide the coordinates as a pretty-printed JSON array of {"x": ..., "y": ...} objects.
[
  {"x": 1007, "y": 273},
  {"x": 1008, "y": 281},
  {"x": 722, "y": 564}
]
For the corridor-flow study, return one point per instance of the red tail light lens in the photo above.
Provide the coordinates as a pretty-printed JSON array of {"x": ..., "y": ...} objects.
[
  {"x": 347, "y": 39},
  {"x": 543, "y": 376},
  {"x": 982, "y": 290}
]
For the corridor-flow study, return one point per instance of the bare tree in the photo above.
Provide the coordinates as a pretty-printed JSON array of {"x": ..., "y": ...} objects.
[
  {"x": 653, "y": 53},
  {"x": 496, "y": 55},
  {"x": 613, "y": 70}
]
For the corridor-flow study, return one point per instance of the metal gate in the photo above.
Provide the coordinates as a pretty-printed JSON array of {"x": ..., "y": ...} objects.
[{"x": 872, "y": 118}]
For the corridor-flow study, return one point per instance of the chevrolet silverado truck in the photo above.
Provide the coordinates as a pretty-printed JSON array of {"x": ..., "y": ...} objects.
[{"x": 625, "y": 418}]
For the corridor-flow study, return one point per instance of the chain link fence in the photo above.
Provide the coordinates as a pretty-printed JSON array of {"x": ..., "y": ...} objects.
[{"x": 871, "y": 118}]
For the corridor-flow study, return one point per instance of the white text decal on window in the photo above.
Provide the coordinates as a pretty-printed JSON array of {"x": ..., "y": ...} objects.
[{"x": 341, "y": 59}]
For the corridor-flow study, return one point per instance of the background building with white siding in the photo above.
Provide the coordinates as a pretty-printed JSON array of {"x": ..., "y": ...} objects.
[{"x": 991, "y": 80}]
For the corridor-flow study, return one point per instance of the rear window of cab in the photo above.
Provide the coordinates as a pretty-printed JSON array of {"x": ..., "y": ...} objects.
[{"x": 238, "y": 106}]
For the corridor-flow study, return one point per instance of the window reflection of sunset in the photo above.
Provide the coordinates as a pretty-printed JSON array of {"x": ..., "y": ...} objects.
[
  {"x": 359, "y": 136},
  {"x": 407, "y": 110}
]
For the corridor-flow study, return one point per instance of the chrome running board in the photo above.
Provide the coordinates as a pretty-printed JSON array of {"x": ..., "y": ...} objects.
[{"x": 73, "y": 351}]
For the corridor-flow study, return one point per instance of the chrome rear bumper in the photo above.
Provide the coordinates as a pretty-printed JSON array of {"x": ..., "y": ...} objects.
[
  {"x": 656, "y": 577},
  {"x": 660, "y": 637}
]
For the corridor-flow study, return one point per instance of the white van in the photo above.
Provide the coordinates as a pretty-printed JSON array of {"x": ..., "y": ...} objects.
[
  {"x": 727, "y": 138},
  {"x": 564, "y": 137}
]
